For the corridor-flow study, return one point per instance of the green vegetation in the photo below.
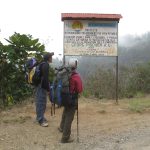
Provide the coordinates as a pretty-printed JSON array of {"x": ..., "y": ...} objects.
[
  {"x": 139, "y": 105},
  {"x": 134, "y": 70},
  {"x": 98, "y": 72},
  {"x": 133, "y": 82},
  {"x": 13, "y": 87}
]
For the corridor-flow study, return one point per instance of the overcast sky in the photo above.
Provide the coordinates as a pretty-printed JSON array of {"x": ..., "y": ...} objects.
[{"x": 42, "y": 18}]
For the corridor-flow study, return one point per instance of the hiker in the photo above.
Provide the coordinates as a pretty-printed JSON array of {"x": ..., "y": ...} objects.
[
  {"x": 43, "y": 89},
  {"x": 69, "y": 111}
]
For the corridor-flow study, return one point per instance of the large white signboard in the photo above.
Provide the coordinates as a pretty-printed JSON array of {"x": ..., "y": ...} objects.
[{"x": 90, "y": 37}]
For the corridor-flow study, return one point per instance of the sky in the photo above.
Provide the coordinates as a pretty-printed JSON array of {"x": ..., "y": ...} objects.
[{"x": 42, "y": 18}]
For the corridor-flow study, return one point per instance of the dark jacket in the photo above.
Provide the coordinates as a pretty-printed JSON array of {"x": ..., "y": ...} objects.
[{"x": 45, "y": 76}]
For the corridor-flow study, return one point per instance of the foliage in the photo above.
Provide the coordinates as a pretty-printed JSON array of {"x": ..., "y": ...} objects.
[
  {"x": 13, "y": 57},
  {"x": 51, "y": 74},
  {"x": 101, "y": 84},
  {"x": 139, "y": 105},
  {"x": 133, "y": 81}
]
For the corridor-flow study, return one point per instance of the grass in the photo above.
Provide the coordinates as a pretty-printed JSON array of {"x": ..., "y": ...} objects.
[
  {"x": 139, "y": 104},
  {"x": 17, "y": 120},
  {"x": 139, "y": 95},
  {"x": 85, "y": 94}
]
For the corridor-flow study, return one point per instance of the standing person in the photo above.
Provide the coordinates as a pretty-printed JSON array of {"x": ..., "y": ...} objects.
[
  {"x": 43, "y": 90},
  {"x": 69, "y": 111}
]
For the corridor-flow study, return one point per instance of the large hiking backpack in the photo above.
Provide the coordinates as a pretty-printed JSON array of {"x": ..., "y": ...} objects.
[
  {"x": 33, "y": 72},
  {"x": 60, "y": 88}
]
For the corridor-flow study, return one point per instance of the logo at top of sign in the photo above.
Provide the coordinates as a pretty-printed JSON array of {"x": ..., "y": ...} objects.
[{"x": 77, "y": 25}]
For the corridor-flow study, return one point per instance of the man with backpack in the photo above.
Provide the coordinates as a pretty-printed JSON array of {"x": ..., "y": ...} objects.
[
  {"x": 43, "y": 89},
  {"x": 70, "y": 101}
]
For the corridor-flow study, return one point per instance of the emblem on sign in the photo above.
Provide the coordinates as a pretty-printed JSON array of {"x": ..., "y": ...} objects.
[{"x": 77, "y": 25}]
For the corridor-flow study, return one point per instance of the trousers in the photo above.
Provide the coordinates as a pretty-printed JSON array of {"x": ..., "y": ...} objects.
[{"x": 41, "y": 101}]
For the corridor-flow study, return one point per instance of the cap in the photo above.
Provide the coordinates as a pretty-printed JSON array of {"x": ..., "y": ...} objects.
[
  {"x": 47, "y": 56},
  {"x": 73, "y": 63}
]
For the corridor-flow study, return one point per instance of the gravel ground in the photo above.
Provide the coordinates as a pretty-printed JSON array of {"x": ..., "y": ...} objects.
[
  {"x": 135, "y": 139},
  {"x": 103, "y": 126}
]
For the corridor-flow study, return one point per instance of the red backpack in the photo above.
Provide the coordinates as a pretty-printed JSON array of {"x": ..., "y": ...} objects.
[{"x": 76, "y": 85}]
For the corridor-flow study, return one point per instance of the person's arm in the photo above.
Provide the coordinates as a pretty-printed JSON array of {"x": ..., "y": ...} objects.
[{"x": 45, "y": 76}]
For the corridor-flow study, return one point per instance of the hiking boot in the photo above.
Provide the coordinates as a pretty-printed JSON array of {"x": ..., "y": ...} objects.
[
  {"x": 70, "y": 140},
  {"x": 44, "y": 124},
  {"x": 60, "y": 130}
]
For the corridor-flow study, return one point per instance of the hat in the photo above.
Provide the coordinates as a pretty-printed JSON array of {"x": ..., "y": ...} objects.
[
  {"x": 47, "y": 56},
  {"x": 73, "y": 63}
]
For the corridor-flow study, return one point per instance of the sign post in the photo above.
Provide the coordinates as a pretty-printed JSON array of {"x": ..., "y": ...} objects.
[
  {"x": 116, "y": 79},
  {"x": 91, "y": 35}
]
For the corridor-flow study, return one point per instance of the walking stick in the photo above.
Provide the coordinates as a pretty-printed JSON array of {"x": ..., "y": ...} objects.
[
  {"x": 51, "y": 98},
  {"x": 52, "y": 105},
  {"x": 51, "y": 109},
  {"x": 54, "y": 108}
]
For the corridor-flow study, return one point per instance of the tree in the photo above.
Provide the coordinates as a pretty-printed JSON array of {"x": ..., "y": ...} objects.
[{"x": 13, "y": 57}]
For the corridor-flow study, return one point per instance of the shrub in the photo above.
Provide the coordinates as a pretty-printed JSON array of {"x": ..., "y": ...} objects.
[
  {"x": 13, "y": 87},
  {"x": 133, "y": 81}
]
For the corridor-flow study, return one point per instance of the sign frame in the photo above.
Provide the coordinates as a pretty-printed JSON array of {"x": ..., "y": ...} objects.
[
  {"x": 94, "y": 17},
  {"x": 95, "y": 38}
]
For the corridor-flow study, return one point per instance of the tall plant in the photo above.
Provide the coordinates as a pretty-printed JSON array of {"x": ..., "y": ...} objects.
[{"x": 13, "y": 56}]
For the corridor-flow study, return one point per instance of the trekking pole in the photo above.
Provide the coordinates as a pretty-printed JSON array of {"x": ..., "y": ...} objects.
[
  {"x": 77, "y": 123},
  {"x": 51, "y": 109},
  {"x": 54, "y": 108},
  {"x": 51, "y": 106},
  {"x": 50, "y": 98}
]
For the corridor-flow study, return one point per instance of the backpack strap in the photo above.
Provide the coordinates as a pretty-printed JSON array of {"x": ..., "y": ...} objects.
[
  {"x": 72, "y": 74},
  {"x": 41, "y": 65}
]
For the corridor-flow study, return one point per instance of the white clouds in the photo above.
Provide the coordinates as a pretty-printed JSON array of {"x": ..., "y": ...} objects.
[{"x": 42, "y": 18}]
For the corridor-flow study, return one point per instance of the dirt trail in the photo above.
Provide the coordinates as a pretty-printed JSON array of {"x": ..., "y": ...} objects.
[{"x": 103, "y": 126}]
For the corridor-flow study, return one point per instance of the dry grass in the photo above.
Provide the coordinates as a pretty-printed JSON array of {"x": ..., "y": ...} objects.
[{"x": 96, "y": 118}]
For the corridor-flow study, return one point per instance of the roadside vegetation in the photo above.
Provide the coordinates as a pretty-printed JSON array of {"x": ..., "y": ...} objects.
[
  {"x": 98, "y": 73},
  {"x": 13, "y": 87}
]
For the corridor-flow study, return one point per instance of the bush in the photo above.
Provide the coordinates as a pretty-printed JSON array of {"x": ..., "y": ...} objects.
[
  {"x": 13, "y": 87},
  {"x": 101, "y": 84},
  {"x": 133, "y": 81},
  {"x": 139, "y": 105}
]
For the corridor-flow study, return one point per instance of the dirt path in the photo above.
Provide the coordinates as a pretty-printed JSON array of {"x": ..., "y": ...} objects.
[{"x": 103, "y": 126}]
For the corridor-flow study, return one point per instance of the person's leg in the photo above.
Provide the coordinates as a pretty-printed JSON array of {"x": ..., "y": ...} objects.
[
  {"x": 41, "y": 100},
  {"x": 44, "y": 97},
  {"x": 61, "y": 127},
  {"x": 70, "y": 112},
  {"x": 37, "y": 104}
]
